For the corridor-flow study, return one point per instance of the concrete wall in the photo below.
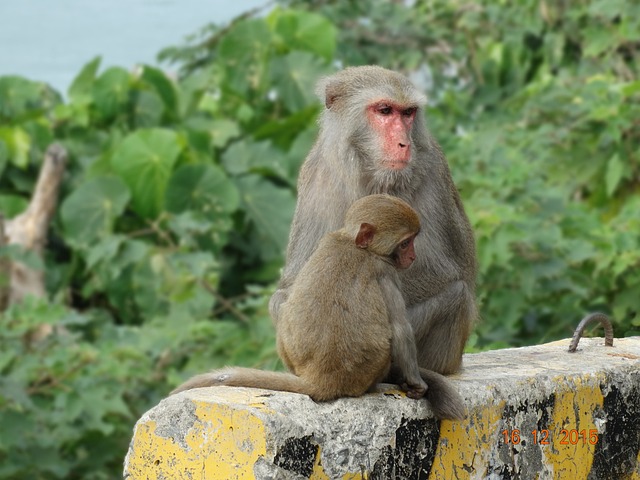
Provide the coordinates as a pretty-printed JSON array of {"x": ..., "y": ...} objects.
[{"x": 534, "y": 412}]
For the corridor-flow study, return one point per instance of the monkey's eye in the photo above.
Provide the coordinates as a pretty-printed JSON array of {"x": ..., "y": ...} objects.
[
  {"x": 385, "y": 110},
  {"x": 409, "y": 112},
  {"x": 405, "y": 244}
]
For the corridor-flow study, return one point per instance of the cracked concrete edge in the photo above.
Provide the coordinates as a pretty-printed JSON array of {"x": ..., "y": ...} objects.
[{"x": 534, "y": 412}]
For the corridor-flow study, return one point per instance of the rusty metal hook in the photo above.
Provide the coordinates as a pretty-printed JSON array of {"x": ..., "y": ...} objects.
[{"x": 593, "y": 317}]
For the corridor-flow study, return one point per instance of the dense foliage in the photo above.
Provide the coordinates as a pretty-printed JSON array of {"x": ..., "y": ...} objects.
[{"x": 175, "y": 210}]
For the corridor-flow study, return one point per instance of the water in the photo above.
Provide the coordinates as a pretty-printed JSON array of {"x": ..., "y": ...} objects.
[{"x": 50, "y": 40}]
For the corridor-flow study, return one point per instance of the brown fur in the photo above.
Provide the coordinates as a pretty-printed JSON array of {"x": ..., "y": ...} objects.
[
  {"x": 344, "y": 320},
  {"x": 347, "y": 163}
]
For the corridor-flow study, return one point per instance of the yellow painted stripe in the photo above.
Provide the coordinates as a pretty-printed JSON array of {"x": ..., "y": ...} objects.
[
  {"x": 224, "y": 443},
  {"x": 571, "y": 449},
  {"x": 464, "y": 445}
]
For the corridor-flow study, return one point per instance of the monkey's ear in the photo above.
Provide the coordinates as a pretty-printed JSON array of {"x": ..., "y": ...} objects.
[
  {"x": 365, "y": 235},
  {"x": 330, "y": 89},
  {"x": 333, "y": 91}
]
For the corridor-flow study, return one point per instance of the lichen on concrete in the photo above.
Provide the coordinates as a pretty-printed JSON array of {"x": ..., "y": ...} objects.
[{"x": 534, "y": 412}]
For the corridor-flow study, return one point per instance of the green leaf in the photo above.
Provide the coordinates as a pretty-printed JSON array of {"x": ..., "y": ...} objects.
[
  {"x": 201, "y": 187},
  {"x": 294, "y": 76},
  {"x": 114, "y": 253},
  {"x": 615, "y": 173},
  {"x": 606, "y": 8},
  {"x": 196, "y": 264},
  {"x": 145, "y": 160},
  {"x": 288, "y": 138},
  {"x": 626, "y": 301},
  {"x": 111, "y": 92},
  {"x": 243, "y": 52},
  {"x": 220, "y": 130},
  {"x": 283, "y": 132},
  {"x": 12, "y": 205},
  {"x": 630, "y": 88},
  {"x": 21, "y": 98},
  {"x": 18, "y": 143},
  {"x": 184, "y": 223},
  {"x": 599, "y": 40},
  {"x": 81, "y": 87},
  {"x": 148, "y": 109},
  {"x": 90, "y": 211},
  {"x": 4, "y": 156},
  {"x": 192, "y": 88},
  {"x": 18, "y": 253},
  {"x": 270, "y": 208},
  {"x": 305, "y": 31},
  {"x": 244, "y": 156},
  {"x": 299, "y": 150},
  {"x": 103, "y": 250},
  {"x": 164, "y": 87}
]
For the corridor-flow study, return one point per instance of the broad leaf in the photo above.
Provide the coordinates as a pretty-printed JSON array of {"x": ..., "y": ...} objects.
[
  {"x": 615, "y": 173},
  {"x": 243, "y": 157},
  {"x": 222, "y": 131},
  {"x": 201, "y": 187},
  {"x": 244, "y": 51},
  {"x": 149, "y": 109},
  {"x": 91, "y": 209},
  {"x": 82, "y": 84},
  {"x": 294, "y": 77},
  {"x": 144, "y": 160},
  {"x": 219, "y": 131},
  {"x": 111, "y": 92},
  {"x": 270, "y": 208},
  {"x": 4, "y": 156},
  {"x": 305, "y": 31},
  {"x": 21, "y": 99},
  {"x": 164, "y": 87},
  {"x": 12, "y": 205},
  {"x": 17, "y": 144}
]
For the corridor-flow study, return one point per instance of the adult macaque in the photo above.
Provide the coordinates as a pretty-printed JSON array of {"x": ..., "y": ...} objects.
[
  {"x": 345, "y": 319},
  {"x": 373, "y": 140}
]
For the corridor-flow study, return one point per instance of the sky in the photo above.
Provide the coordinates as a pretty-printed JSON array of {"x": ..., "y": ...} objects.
[{"x": 50, "y": 41}]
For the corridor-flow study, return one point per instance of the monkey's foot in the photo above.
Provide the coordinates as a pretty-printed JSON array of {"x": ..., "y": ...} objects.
[{"x": 415, "y": 391}]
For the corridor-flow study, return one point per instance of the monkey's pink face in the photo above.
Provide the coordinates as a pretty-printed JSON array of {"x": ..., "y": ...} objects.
[
  {"x": 392, "y": 123},
  {"x": 405, "y": 253}
]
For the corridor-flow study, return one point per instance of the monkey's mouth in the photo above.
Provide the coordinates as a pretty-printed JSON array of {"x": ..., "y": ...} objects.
[{"x": 397, "y": 164}]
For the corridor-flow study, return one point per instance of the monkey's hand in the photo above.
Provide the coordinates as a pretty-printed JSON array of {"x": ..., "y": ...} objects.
[{"x": 415, "y": 390}]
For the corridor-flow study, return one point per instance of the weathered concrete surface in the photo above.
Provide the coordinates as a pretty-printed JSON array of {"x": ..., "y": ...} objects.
[{"x": 535, "y": 412}]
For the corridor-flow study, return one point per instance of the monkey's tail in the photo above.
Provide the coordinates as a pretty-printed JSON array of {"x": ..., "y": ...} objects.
[
  {"x": 248, "y": 377},
  {"x": 445, "y": 401}
]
